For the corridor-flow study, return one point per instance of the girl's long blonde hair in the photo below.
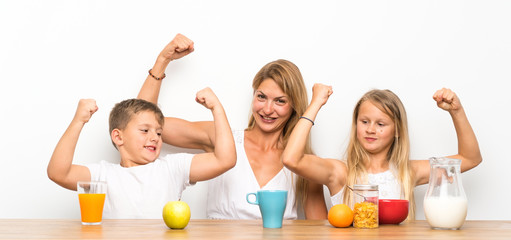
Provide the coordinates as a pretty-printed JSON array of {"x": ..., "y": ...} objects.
[
  {"x": 288, "y": 77},
  {"x": 399, "y": 152}
]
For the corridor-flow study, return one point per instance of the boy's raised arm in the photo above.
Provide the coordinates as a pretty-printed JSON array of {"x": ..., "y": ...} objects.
[
  {"x": 209, "y": 165},
  {"x": 60, "y": 168}
]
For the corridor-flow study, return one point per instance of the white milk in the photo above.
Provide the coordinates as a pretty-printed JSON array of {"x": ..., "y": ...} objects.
[{"x": 445, "y": 212}]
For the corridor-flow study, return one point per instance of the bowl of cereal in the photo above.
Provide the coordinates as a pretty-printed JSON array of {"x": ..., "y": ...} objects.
[{"x": 392, "y": 211}]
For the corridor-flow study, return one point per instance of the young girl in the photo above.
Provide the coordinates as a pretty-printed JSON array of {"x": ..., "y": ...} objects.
[{"x": 379, "y": 148}]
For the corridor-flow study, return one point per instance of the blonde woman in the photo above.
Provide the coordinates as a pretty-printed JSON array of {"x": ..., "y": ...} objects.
[
  {"x": 279, "y": 99},
  {"x": 379, "y": 148}
]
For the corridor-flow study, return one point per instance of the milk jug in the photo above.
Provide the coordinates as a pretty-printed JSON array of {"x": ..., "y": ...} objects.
[{"x": 445, "y": 203}]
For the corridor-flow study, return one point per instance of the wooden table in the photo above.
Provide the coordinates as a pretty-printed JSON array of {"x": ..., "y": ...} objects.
[{"x": 241, "y": 229}]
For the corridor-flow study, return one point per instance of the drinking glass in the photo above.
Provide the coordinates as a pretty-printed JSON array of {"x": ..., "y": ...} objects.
[{"x": 91, "y": 195}]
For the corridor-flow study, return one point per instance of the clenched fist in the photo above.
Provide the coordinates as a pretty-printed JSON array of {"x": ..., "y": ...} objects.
[
  {"x": 321, "y": 93},
  {"x": 85, "y": 109},
  {"x": 179, "y": 47},
  {"x": 207, "y": 98},
  {"x": 447, "y": 100}
]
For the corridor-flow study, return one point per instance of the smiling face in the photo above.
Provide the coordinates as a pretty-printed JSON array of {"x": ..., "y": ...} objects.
[
  {"x": 271, "y": 107},
  {"x": 140, "y": 141},
  {"x": 375, "y": 129}
]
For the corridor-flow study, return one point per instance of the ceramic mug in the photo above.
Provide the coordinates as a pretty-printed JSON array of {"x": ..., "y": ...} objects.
[{"x": 272, "y": 204}]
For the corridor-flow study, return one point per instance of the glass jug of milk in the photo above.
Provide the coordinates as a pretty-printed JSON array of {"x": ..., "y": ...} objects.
[{"x": 445, "y": 203}]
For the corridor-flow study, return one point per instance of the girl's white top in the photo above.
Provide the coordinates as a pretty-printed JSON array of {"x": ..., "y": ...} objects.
[
  {"x": 388, "y": 187},
  {"x": 227, "y": 192}
]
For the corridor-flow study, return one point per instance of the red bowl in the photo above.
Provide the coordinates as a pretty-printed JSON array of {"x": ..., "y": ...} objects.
[{"x": 392, "y": 211}]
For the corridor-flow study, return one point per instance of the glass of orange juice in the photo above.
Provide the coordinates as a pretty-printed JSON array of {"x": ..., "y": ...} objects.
[{"x": 92, "y": 199}]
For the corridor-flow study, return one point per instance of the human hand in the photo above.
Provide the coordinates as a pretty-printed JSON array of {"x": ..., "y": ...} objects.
[
  {"x": 447, "y": 100},
  {"x": 85, "y": 109},
  {"x": 321, "y": 93},
  {"x": 179, "y": 47},
  {"x": 207, "y": 98}
]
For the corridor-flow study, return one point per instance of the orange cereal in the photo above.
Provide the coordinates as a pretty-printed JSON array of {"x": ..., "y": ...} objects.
[{"x": 365, "y": 215}]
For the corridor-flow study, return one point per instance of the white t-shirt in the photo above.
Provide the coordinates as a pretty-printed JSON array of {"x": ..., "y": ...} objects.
[
  {"x": 388, "y": 187},
  {"x": 142, "y": 191},
  {"x": 227, "y": 192}
]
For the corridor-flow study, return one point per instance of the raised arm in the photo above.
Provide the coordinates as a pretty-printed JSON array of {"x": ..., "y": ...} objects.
[
  {"x": 329, "y": 172},
  {"x": 179, "y": 47},
  {"x": 177, "y": 132},
  {"x": 60, "y": 168},
  {"x": 468, "y": 148},
  {"x": 209, "y": 165}
]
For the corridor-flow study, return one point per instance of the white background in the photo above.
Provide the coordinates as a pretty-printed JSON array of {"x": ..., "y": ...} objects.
[{"x": 52, "y": 53}]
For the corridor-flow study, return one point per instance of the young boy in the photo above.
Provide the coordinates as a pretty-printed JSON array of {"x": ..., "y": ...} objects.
[{"x": 143, "y": 183}]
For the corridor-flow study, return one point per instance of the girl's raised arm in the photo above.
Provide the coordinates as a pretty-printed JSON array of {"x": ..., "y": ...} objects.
[
  {"x": 324, "y": 171},
  {"x": 468, "y": 148}
]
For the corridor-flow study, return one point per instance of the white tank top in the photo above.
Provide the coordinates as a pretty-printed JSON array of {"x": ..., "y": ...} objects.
[{"x": 227, "y": 192}]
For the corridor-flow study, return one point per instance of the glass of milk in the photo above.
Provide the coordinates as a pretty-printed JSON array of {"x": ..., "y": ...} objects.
[{"x": 445, "y": 203}]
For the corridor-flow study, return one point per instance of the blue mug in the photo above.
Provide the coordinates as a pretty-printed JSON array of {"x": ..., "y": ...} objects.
[{"x": 272, "y": 204}]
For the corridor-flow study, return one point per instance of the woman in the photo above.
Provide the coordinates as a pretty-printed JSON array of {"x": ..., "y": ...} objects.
[{"x": 279, "y": 99}]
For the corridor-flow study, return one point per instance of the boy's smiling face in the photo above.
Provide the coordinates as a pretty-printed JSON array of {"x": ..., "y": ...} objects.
[{"x": 140, "y": 142}]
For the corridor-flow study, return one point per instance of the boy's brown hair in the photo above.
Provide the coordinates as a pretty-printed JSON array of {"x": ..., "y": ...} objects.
[{"x": 123, "y": 111}]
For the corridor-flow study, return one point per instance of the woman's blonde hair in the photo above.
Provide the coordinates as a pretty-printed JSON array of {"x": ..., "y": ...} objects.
[
  {"x": 288, "y": 77},
  {"x": 399, "y": 152}
]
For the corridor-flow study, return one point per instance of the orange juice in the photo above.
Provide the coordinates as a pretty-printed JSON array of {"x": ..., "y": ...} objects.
[{"x": 91, "y": 206}]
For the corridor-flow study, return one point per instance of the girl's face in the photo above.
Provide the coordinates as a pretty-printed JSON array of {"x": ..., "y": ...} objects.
[
  {"x": 271, "y": 107},
  {"x": 375, "y": 129}
]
